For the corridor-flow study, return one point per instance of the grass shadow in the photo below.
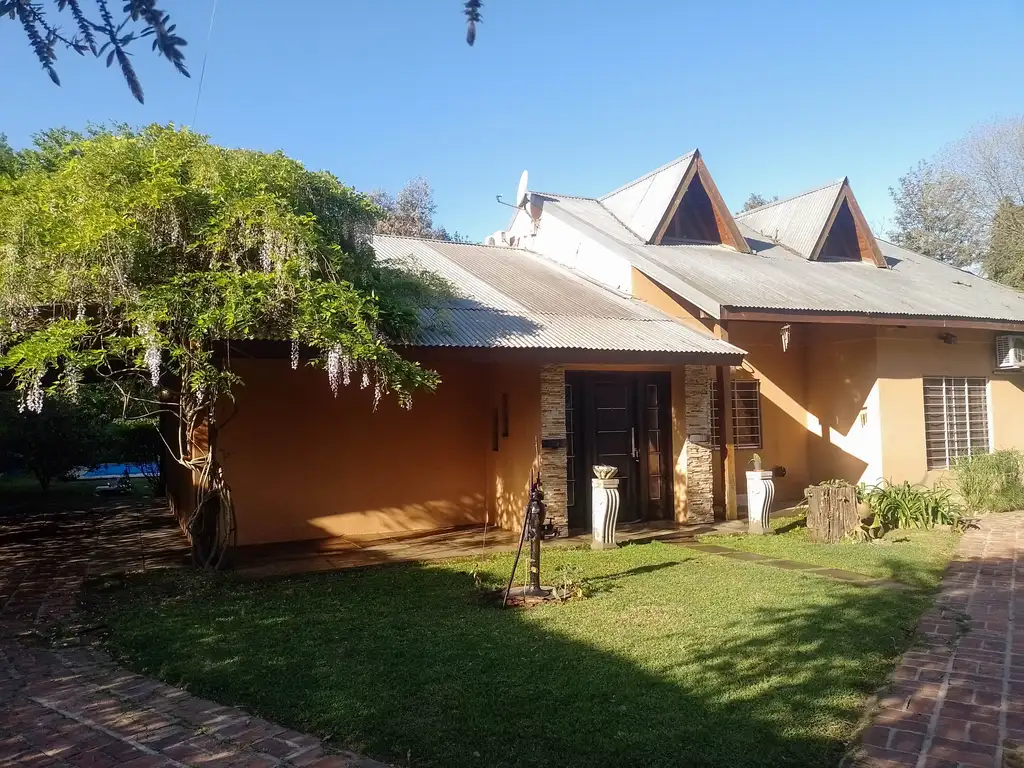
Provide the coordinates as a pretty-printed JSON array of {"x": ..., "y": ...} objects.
[{"x": 690, "y": 660}]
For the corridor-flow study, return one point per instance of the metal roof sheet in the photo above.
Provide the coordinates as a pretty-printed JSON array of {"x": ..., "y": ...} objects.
[
  {"x": 775, "y": 278},
  {"x": 641, "y": 204},
  {"x": 796, "y": 222},
  {"x": 507, "y": 297}
]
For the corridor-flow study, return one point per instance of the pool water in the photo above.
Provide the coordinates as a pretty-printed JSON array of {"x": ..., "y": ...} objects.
[{"x": 116, "y": 470}]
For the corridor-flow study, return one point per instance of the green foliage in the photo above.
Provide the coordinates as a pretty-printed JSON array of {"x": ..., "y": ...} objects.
[
  {"x": 902, "y": 505},
  {"x": 148, "y": 247},
  {"x": 991, "y": 482},
  {"x": 50, "y": 444}
]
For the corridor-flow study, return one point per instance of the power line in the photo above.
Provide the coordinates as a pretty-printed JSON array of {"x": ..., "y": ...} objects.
[{"x": 202, "y": 71}]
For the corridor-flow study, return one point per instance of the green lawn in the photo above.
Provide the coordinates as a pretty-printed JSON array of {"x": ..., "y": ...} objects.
[
  {"x": 913, "y": 556},
  {"x": 675, "y": 657}
]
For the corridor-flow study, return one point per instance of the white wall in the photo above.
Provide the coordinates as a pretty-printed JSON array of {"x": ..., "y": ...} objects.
[{"x": 559, "y": 241}]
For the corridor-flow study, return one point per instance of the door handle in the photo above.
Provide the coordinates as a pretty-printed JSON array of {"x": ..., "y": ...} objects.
[{"x": 632, "y": 440}]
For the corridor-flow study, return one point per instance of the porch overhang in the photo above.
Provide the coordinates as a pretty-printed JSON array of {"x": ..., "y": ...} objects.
[{"x": 867, "y": 318}]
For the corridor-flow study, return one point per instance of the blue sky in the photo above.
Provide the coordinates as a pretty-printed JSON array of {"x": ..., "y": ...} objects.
[{"x": 779, "y": 95}]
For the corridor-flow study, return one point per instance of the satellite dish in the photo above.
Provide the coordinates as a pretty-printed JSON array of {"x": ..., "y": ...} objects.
[{"x": 523, "y": 190}]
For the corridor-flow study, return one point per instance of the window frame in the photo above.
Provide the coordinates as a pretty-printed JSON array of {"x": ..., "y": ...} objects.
[
  {"x": 716, "y": 395},
  {"x": 942, "y": 458}
]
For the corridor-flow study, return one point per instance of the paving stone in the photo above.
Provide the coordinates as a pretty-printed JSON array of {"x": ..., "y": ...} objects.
[
  {"x": 75, "y": 706},
  {"x": 959, "y": 702}
]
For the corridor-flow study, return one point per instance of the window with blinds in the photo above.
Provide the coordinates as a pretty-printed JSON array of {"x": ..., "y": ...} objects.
[
  {"x": 746, "y": 414},
  {"x": 955, "y": 419}
]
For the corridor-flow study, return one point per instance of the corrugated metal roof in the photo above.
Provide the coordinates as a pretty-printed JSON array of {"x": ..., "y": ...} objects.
[
  {"x": 796, "y": 222},
  {"x": 641, "y": 204},
  {"x": 773, "y": 277},
  {"x": 508, "y": 297}
]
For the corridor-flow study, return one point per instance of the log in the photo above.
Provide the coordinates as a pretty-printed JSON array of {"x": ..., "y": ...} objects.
[{"x": 832, "y": 512}]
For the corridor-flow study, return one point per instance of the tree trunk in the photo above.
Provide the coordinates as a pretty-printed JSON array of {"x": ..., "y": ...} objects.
[{"x": 832, "y": 512}]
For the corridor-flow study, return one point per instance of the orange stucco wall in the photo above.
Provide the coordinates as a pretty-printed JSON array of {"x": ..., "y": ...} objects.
[
  {"x": 303, "y": 465},
  {"x": 509, "y": 468}
]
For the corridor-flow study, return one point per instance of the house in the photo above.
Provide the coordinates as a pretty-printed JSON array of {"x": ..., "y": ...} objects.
[
  {"x": 863, "y": 360},
  {"x": 543, "y": 369},
  {"x": 607, "y": 331}
]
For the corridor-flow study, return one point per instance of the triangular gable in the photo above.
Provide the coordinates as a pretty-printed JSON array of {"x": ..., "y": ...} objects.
[
  {"x": 699, "y": 214},
  {"x": 677, "y": 202},
  {"x": 825, "y": 224},
  {"x": 641, "y": 204}
]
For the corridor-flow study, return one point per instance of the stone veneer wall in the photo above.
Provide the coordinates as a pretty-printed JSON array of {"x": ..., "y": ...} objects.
[
  {"x": 697, "y": 452},
  {"x": 553, "y": 460}
]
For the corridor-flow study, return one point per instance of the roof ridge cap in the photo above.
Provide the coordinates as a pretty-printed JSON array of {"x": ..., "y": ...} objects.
[
  {"x": 688, "y": 156},
  {"x": 774, "y": 203}
]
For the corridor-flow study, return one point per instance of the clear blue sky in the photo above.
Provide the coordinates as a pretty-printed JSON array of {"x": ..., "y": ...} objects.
[{"x": 779, "y": 95}]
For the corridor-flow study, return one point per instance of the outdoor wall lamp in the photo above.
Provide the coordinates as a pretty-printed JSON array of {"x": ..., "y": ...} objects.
[{"x": 948, "y": 338}]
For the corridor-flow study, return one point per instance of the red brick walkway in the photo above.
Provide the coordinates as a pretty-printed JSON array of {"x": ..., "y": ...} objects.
[
  {"x": 73, "y": 706},
  {"x": 957, "y": 699}
]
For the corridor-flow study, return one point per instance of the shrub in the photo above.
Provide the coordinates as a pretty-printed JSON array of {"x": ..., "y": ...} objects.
[
  {"x": 990, "y": 482},
  {"x": 904, "y": 505}
]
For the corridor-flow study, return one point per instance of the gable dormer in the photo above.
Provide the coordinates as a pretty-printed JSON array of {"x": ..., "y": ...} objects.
[
  {"x": 824, "y": 224},
  {"x": 676, "y": 203}
]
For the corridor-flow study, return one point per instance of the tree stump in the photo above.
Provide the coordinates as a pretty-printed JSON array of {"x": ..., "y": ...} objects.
[{"x": 832, "y": 512}]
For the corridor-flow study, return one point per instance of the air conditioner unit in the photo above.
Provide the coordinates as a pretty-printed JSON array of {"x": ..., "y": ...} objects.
[
  {"x": 1010, "y": 353},
  {"x": 490, "y": 240}
]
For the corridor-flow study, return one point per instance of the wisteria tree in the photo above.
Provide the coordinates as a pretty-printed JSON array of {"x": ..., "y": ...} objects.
[{"x": 145, "y": 255}]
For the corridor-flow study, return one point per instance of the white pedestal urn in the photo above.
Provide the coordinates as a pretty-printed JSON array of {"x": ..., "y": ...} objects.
[
  {"x": 760, "y": 494},
  {"x": 605, "y": 506}
]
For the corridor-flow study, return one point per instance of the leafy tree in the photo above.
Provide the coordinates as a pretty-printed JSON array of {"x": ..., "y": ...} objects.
[
  {"x": 52, "y": 443},
  {"x": 9, "y": 165},
  {"x": 100, "y": 33},
  {"x": 97, "y": 31},
  {"x": 937, "y": 214},
  {"x": 947, "y": 207},
  {"x": 756, "y": 201},
  {"x": 143, "y": 256},
  {"x": 1004, "y": 260},
  {"x": 411, "y": 212}
]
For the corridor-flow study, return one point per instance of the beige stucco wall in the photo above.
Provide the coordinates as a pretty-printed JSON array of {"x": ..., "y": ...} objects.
[
  {"x": 846, "y": 400},
  {"x": 906, "y": 356}
]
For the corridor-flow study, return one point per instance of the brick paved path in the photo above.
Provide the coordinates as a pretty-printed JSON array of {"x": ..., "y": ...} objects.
[
  {"x": 74, "y": 706},
  {"x": 958, "y": 698}
]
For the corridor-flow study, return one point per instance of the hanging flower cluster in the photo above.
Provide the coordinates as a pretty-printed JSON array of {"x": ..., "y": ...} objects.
[
  {"x": 334, "y": 368},
  {"x": 295, "y": 354},
  {"x": 74, "y": 378},
  {"x": 32, "y": 400},
  {"x": 346, "y": 369},
  {"x": 152, "y": 358}
]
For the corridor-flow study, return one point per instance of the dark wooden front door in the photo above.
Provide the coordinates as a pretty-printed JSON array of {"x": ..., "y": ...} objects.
[{"x": 623, "y": 420}]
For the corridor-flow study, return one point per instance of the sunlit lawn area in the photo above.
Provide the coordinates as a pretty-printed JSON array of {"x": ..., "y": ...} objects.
[
  {"x": 676, "y": 658},
  {"x": 912, "y": 556}
]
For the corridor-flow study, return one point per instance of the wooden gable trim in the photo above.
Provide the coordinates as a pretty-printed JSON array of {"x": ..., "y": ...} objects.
[
  {"x": 869, "y": 250},
  {"x": 724, "y": 220},
  {"x": 733, "y": 237},
  {"x": 677, "y": 198}
]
